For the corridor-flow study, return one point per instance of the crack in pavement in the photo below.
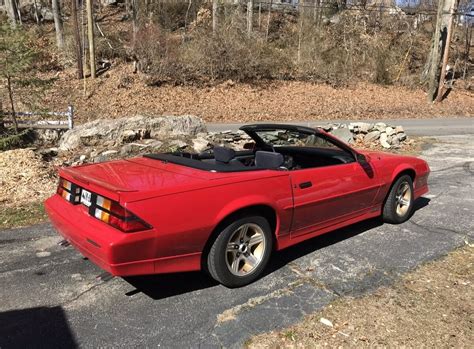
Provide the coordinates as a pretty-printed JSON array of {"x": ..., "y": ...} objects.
[{"x": 443, "y": 230}]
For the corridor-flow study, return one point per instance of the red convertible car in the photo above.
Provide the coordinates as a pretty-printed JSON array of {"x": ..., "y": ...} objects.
[{"x": 226, "y": 211}]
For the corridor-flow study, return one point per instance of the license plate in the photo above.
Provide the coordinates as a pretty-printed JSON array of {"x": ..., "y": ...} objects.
[{"x": 86, "y": 197}]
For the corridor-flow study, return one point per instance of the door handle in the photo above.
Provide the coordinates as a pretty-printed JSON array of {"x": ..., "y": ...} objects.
[{"x": 305, "y": 185}]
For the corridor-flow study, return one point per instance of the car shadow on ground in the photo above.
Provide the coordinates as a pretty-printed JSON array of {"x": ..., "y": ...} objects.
[
  {"x": 169, "y": 285},
  {"x": 42, "y": 327}
]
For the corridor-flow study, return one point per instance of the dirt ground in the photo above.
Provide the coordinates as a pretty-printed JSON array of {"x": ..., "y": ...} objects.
[
  {"x": 431, "y": 307},
  {"x": 120, "y": 92}
]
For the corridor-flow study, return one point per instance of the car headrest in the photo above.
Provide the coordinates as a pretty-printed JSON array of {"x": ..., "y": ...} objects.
[
  {"x": 267, "y": 159},
  {"x": 223, "y": 154}
]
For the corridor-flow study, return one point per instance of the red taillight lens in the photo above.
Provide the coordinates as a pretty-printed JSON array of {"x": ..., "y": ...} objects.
[{"x": 119, "y": 217}]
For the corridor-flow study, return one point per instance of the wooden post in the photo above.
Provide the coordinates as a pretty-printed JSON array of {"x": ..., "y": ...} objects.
[
  {"x": 70, "y": 117},
  {"x": 440, "y": 41},
  {"x": 90, "y": 36},
  {"x": 77, "y": 39}
]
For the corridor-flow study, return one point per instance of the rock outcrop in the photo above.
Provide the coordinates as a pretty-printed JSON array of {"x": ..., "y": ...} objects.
[{"x": 114, "y": 132}]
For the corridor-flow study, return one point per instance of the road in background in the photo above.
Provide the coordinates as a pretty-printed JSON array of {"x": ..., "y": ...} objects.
[{"x": 413, "y": 127}]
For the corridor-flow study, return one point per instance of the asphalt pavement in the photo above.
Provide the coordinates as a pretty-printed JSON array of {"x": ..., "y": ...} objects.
[{"x": 50, "y": 296}]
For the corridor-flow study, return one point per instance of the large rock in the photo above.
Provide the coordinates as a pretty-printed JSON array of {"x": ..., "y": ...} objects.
[
  {"x": 125, "y": 130},
  {"x": 344, "y": 134},
  {"x": 384, "y": 141}
]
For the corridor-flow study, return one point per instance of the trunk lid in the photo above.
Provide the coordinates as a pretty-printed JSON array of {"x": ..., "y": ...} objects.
[{"x": 133, "y": 175}]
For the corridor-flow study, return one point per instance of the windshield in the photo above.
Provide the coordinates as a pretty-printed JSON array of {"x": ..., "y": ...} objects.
[{"x": 282, "y": 138}]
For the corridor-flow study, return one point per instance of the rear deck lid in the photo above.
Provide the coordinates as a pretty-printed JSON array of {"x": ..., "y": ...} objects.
[{"x": 133, "y": 175}]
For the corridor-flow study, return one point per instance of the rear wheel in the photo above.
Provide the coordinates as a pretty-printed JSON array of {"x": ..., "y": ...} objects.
[
  {"x": 241, "y": 251},
  {"x": 399, "y": 204}
]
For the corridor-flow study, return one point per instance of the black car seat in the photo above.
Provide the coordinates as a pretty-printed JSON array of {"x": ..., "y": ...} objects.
[
  {"x": 225, "y": 156},
  {"x": 268, "y": 159}
]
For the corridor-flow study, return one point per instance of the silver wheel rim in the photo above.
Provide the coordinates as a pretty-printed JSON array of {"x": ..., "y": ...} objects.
[
  {"x": 403, "y": 198},
  {"x": 245, "y": 249}
]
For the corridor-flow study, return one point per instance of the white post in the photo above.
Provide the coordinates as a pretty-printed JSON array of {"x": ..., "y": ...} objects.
[{"x": 70, "y": 116}]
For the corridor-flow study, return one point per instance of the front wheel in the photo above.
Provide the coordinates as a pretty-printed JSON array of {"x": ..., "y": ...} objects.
[
  {"x": 241, "y": 251},
  {"x": 399, "y": 204}
]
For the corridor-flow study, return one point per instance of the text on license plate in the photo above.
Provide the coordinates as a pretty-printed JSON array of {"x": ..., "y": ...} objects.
[{"x": 86, "y": 197}]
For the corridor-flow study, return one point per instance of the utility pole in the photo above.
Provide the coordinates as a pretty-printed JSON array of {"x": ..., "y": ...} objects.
[
  {"x": 77, "y": 39},
  {"x": 90, "y": 36},
  {"x": 438, "y": 58}
]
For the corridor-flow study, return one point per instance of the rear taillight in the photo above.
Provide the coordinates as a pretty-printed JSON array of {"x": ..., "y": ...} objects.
[
  {"x": 119, "y": 217},
  {"x": 68, "y": 191}
]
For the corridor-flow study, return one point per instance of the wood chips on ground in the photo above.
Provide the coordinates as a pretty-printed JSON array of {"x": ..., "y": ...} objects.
[
  {"x": 431, "y": 307},
  {"x": 24, "y": 178}
]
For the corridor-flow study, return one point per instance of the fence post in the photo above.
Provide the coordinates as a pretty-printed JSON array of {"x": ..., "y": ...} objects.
[{"x": 70, "y": 116}]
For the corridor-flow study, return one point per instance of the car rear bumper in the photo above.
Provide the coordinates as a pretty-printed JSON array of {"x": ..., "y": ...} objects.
[{"x": 121, "y": 254}]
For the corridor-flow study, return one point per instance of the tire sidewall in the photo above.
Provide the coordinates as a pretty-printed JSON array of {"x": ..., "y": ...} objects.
[
  {"x": 217, "y": 256},
  {"x": 393, "y": 216}
]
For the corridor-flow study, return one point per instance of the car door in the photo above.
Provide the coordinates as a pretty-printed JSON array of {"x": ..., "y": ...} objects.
[{"x": 327, "y": 195}]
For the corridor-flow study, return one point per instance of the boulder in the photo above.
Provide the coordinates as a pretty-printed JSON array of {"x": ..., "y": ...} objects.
[
  {"x": 124, "y": 130},
  {"x": 372, "y": 136},
  {"x": 399, "y": 129},
  {"x": 384, "y": 140},
  {"x": 200, "y": 144},
  {"x": 344, "y": 134},
  {"x": 389, "y": 131},
  {"x": 401, "y": 136}
]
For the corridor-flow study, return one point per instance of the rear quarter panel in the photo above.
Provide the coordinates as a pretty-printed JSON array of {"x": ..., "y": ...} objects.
[{"x": 183, "y": 222}]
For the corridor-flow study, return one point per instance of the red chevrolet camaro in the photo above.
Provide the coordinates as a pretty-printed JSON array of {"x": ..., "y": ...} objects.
[{"x": 225, "y": 211}]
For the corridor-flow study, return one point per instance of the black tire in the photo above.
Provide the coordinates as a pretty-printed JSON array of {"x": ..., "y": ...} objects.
[
  {"x": 392, "y": 213},
  {"x": 218, "y": 257}
]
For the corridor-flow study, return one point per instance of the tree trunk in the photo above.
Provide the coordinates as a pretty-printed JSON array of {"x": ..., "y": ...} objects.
[
  {"x": 300, "y": 30},
  {"x": 37, "y": 17},
  {"x": 2, "y": 125},
  {"x": 12, "y": 12},
  {"x": 249, "y": 17},
  {"x": 259, "y": 14},
  {"x": 440, "y": 37},
  {"x": 449, "y": 33},
  {"x": 269, "y": 19},
  {"x": 215, "y": 9},
  {"x": 12, "y": 104},
  {"x": 134, "y": 8},
  {"x": 77, "y": 39},
  {"x": 90, "y": 36},
  {"x": 58, "y": 24}
]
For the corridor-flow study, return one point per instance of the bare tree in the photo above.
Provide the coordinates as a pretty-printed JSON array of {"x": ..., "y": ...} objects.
[
  {"x": 249, "y": 17},
  {"x": 90, "y": 36},
  {"x": 269, "y": 19},
  {"x": 12, "y": 12},
  {"x": 215, "y": 9},
  {"x": 77, "y": 39},
  {"x": 58, "y": 24}
]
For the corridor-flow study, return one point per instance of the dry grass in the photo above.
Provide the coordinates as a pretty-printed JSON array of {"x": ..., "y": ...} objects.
[{"x": 431, "y": 307}]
